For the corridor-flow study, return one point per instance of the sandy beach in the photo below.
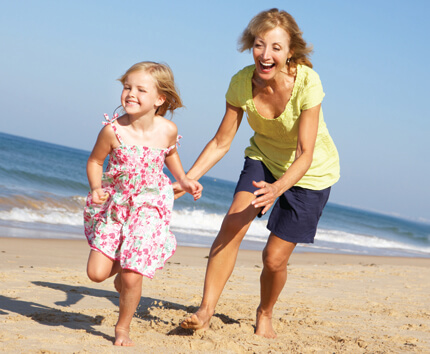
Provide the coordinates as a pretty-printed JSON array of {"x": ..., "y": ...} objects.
[{"x": 331, "y": 304}]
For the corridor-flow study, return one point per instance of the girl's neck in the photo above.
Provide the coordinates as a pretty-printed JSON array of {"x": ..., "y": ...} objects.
[{"x": 140, "y": 121}]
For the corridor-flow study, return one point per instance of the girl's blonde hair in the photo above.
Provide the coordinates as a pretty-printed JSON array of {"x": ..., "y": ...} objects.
[
  {"x": 164, "y": 82},
  {"x": 270, "y": 19}
]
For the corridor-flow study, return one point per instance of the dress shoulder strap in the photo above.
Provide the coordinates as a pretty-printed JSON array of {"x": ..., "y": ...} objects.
[
  {"x": 110, "y": 121},
  {"x": 173, "y": 146}
]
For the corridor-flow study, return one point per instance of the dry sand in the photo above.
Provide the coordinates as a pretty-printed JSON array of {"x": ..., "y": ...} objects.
[{"x": 331, "y": 304}]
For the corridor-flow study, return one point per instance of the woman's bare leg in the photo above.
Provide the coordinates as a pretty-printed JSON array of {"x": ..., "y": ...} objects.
[
  {"x": 131, "y": 291},
  {"x": 273, "y": 278},
  {"x": 222, "y": 257}
]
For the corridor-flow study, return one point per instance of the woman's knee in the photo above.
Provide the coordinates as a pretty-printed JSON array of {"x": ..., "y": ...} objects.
[
  {"x": 277, "y": 253},
  {"x": 274, "y": 262},
  {"x": 238, "y": 220}
]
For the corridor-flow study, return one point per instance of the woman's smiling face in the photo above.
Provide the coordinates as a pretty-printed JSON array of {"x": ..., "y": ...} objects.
[{"x": 271, "y": 51}]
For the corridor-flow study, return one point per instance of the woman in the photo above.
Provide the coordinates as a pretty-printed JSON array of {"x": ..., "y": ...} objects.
[{"x": 291, "y": 161}]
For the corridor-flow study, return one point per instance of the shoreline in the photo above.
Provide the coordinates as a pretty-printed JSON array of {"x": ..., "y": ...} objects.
[
  {"x": 186, "y": 240},
  {"x": 331, "y": 303},
  {"x": 195, "y": 252}
]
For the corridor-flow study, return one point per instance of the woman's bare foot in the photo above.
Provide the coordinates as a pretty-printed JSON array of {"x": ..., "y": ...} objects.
[
  {"x": 117, "y": 282},
  {"x": 122, "y": 338},
  {"x": 198, "y": 321},
  {"x": 264, "y": 325}
]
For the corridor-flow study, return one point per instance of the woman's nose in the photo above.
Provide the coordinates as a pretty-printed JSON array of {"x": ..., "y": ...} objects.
[{"x": 266, "y": 53}]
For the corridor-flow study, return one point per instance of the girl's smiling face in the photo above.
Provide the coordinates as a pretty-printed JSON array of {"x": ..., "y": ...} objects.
[
  {"x": 140, "y": 95},
  {"x": 271, "y": 51}
]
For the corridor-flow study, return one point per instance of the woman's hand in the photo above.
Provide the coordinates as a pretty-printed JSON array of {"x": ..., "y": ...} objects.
[{"x": 266, "y": 195}]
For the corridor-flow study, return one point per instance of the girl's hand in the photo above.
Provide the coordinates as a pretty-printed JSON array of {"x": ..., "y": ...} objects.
[
  {"x": 99, "y": 196},
  {"x": 177, "y": 189},
  {"x": 191, "y": 186},
  {"x": 267, "y": 195}
]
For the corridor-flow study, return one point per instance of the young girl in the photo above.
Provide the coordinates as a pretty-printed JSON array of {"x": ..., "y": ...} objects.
[{"x": 127, "y": 213}]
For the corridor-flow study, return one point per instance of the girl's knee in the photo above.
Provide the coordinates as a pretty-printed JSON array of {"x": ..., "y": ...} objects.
[
  {"x": 96, "y": 275},
  {"x": 130, "y": 279}
]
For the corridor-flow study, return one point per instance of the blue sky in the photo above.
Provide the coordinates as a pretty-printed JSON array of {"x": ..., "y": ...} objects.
[{"x": 60, "y": 61}]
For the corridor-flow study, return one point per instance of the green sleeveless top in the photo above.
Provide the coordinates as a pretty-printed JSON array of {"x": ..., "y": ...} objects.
[{"x": 275, "y": 140}]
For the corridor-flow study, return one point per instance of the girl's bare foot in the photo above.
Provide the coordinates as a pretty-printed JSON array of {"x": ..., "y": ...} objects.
[
  {"x": 117, "y": 282},
  {"x": 198, "y": 321},
  {"x": 264, "y": 325},
  {"x": 122, "y": 337}
]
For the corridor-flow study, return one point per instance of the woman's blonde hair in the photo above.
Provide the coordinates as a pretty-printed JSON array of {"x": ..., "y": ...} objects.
[
  {"x": 164, "y": 82},
  {"x": 270, "y": 19}
]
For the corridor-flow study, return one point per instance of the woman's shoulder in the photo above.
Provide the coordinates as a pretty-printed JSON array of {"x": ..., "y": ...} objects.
[
  {"x": 307, "y": 75},
  {"x": 242, "y": 78},
  {"x": 244, "y": 73}
]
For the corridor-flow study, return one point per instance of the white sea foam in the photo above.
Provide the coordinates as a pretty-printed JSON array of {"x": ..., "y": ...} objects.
[
  {"x": 343, "y": 237},
  {"x": 53, "y": 215},
  {"x": 206, "y": 225}
]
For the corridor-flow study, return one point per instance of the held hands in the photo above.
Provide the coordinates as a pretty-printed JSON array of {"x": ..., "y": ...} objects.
[
  {"x": 99, "y": 196},
  {"x": 187, "y": 185},
  {"x": 266, "y": 195},
  {"x": 177, "y": 189}
]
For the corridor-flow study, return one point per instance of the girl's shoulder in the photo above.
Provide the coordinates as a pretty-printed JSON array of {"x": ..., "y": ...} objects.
[
  {"x": 164, "y": 122},
  {"x": 167, "y": 126}
]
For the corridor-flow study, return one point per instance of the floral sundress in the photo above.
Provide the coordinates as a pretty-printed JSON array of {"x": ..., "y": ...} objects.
[{"x": 133, "y": 225}]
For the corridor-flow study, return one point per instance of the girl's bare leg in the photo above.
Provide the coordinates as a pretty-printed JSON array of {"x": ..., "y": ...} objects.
[
  {"x": 273, "y": 278},
  {"x": 131, "y": 291},
  {"x": 222, "y": 257},
  {"x": 100, "y": 267}
]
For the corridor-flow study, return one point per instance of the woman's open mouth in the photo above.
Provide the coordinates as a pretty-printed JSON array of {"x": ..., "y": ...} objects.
[{"x": 266, "y": 67}]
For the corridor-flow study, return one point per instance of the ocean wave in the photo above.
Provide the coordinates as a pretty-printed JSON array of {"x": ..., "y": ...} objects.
[
  {"x": 197, "y": 223},
  {"x": 197, "y": 220},
  {"x": 366, "y": 241}
]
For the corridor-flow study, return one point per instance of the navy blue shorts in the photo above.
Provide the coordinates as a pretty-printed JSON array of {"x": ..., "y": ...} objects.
[{"x": 295, "y": 215}]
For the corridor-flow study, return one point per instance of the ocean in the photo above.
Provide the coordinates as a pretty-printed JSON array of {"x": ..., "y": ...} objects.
[{"x": 43, "y": 188}]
